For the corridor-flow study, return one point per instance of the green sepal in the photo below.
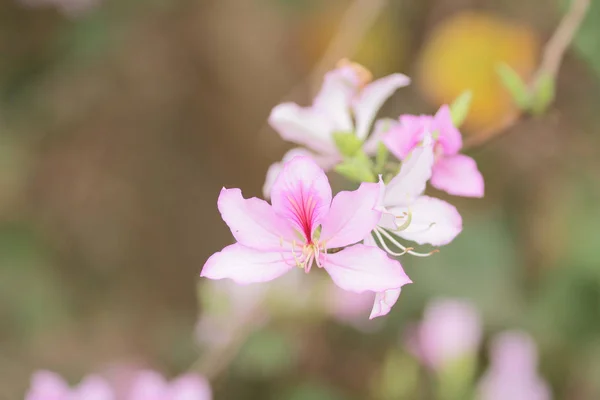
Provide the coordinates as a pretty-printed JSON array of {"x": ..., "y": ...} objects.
[
  {"x": 347, "y": 143},
  {"x": 358, "y": 168},
  {"x": 543, "y": 94},
  {"x": 381, "y": 157}
]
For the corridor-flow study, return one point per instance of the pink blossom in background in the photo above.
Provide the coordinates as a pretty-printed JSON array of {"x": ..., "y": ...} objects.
[
  {"x": 47, "y": 385},
  {"x": 149, "y": 385},
  {"x": 273, "y": 239},
  {"x": 349, "y": 308},
  {"x": 71, "y": 8},
  {"x": 450, "y": 331},
  {"x": 347, "y": 103},
  {"x": 452, "y": 172},
  {"x": 512, "y": 373}
]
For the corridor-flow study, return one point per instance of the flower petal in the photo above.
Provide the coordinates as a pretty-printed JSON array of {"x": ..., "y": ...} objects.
[
  {"x": 404, "y": 136},
  {"x": 190, "y": 387},
  {"x": 304, "y": 125},
  {"x": 46, "y": 385},
  {"x": 433, "y": 221},
  {"x": 363, "y": 268},
  {"x": 413, "y": 176},
  {"x": 94, "y": 388},
  {"x": 458, "y": 175},
  {"x": 302, "y": 195},
  {"x": 380, "y": 131},
  {"x": 384, "y": 301},
  {"x": 448, "y": 136},
  {"x": 352, "y": 216},
  {"x": 333, "y": 100},
  {"x": 253, "y": 221},
  {"x": 245, "y": 265},
  {"x": 325, "y": 162},
  {"x": 372, "y": 97}
]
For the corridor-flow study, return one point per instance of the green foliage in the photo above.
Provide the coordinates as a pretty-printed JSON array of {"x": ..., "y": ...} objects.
[
  {"x": 460, "y": 107},
  {"x": 587, "y": 39},
  {"x": 398, "y": 377},
  {"x": 313, "y": 391},
  {"x": 266, "y": 353}
]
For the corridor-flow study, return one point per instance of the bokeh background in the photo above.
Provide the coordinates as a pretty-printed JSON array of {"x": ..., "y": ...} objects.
[{"x": 120, "y": 120}]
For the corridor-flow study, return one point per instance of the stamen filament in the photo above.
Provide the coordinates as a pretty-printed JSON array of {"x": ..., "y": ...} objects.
[{"x": 400, "y": 246}]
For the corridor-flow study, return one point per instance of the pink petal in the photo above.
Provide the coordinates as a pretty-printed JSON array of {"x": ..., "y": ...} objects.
[
  {"x": 47, "y": 385},
  {"x": 380, "y": 131},
  {"x": 93, "y": 388},
  {"x": 448, "y": 136},
  {"x": 352, "y": 216},
  {"x": 451, "y": 330},
  {"x": 325, "y": 162},
  {"x": 333, "y": 100},
  {"x": 384, "y": 301},
  {"x": 245, "y": 265},
  {"x": 458, "y": 175},
  {"x": 148, "y": 385},
  {"x": 363, "y": 268},
  {"x": 253, "y": 221},
  {"x": 404, "y": 136},
  {"x": 433, "y": 221},
  {"x": 372, "y": 97},
  {"x": 302, "y": 195},
  {"x": 306, "y": 126},
  {"x": 190, "y": 387},
  {"x": 413, "y": 176}
]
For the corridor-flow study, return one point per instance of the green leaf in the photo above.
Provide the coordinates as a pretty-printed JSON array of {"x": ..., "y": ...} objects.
[
  {"x": 266, "y": 354},
  {"x": 543, "y": 94},
  {"x": 347, "y": 143},
  {"x": 515, "y": 86},
  {"x": 459, "y": 108},
  {"x": 357, "y": 169}
]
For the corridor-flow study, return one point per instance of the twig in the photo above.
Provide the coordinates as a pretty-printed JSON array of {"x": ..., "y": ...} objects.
[{"x": 552, "y": 57}]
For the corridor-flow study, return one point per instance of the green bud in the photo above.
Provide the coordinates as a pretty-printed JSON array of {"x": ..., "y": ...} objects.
[
  {"x": 459, "y": 109},
  {"x": 516, "y": 87},
  {"x": 543, "y": 94}
]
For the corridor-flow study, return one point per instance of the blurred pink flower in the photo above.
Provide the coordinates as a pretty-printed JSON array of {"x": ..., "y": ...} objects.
[
  {"x": 513, "y": 370},
  {"x": 149, "y": 385},
  {"x": 410, "y": 215},
  {"x": 450, "y": 331},
  {"x": 452, "y": 172},
  {"x": 47, "y": 385},
  {"x": 347, "y": 103},
  {"x": 273, "y": 239},
  {"x": 349, "y": 308}
]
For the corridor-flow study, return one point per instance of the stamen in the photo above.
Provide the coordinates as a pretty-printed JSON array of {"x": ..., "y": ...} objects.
[
  {"x": 400, "y": 246},
  {"x": 385, "y": 247},
  {"x": 407, "y": 222}
]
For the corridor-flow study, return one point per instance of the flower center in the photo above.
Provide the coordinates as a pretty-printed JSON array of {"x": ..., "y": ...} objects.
[{"x": 308, "y": 254}]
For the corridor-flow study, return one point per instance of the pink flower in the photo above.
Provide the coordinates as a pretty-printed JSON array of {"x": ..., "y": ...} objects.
[
  {"x": 299, "y": 228},
  {"x": 513, "y": 370},
  {"x": 46, "y": 385},
  {"x": 452, "y": 172},
  {"x": 408, "y": 214},
  {"x": 149, "y": 385},
  {"x": 347, "y": 103},
  {"x": 450, "y": 331}
]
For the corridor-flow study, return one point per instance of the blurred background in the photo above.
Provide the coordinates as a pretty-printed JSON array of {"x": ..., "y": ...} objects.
[{"x": 120, "y": 121}]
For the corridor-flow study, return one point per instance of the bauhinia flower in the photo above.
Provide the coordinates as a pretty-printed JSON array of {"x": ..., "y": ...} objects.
[
  {"x": 449, "y": 332},
  {"x": 47, "y": 385},
  {"x": 408, "y": 214},
  {"x": 302, "y": 227},
  {"x": 347, "y": 103},
  {"x": 453, "y": 173},
  {"x": 149, "y": 385},
  {"x": 513, "y": 370}
]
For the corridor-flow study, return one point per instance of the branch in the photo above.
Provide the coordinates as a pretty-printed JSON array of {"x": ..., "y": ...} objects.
[{"x": 552, "y": 57}]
